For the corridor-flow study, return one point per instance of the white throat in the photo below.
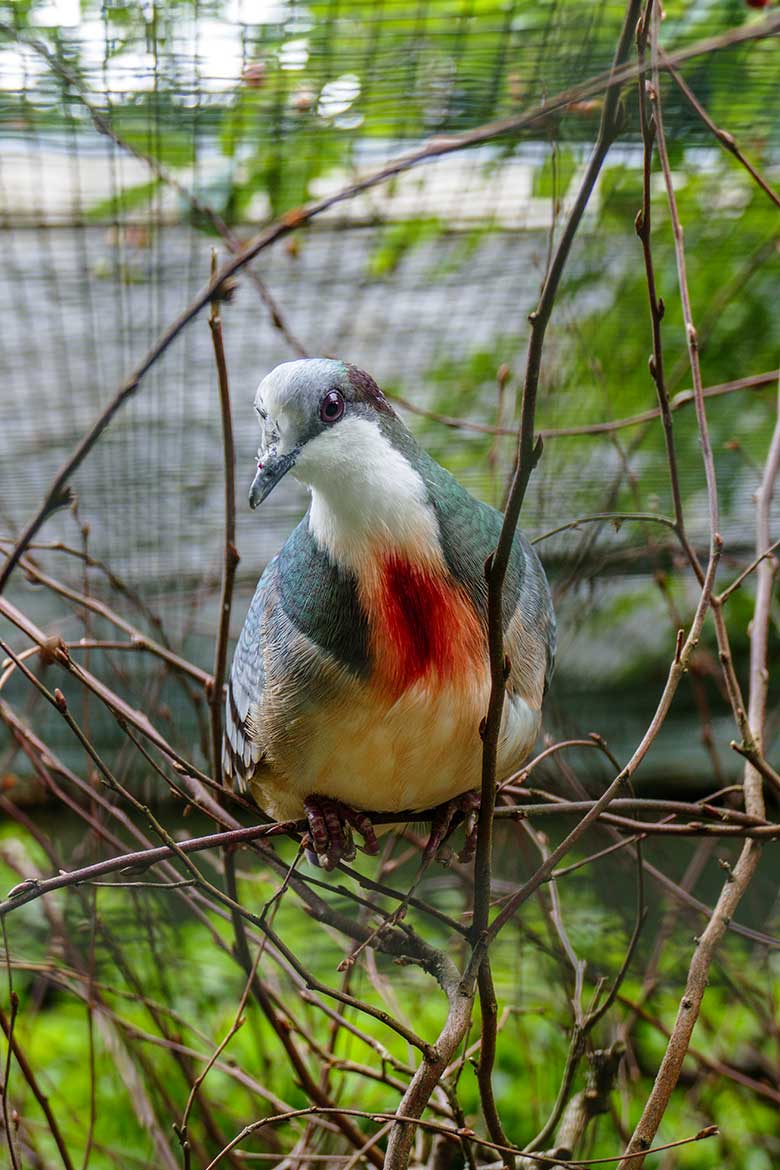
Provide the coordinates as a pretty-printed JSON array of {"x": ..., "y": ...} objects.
[{"x": 366, "y": 498}]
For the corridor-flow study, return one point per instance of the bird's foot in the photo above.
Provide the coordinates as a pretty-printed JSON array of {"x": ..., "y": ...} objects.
[
  {"x": 330, "y": 830},
  {"x": 444, "y": 820}
]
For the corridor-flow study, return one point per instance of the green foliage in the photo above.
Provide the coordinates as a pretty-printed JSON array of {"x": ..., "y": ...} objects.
[
  {"x": 129, "y": 199},
  {"x": 162, "y": 986},
  {"x": 396, "y": 240}
]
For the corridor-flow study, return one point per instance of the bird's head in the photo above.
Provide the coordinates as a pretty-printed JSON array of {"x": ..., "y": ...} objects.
[{"x": 313, "y": 414}]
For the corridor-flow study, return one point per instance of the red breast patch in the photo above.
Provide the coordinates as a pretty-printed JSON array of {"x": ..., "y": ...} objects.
[{"x": 421, "y": 623}]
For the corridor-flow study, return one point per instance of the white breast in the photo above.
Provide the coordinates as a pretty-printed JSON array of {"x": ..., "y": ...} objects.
[{"x": 366, "y": 497}]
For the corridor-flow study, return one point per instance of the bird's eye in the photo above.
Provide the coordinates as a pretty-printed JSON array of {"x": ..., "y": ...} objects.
[{"x": 332, "y": 407}]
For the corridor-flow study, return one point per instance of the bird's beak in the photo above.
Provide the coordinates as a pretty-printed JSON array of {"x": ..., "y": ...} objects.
[{"x": 270, "y": 469}]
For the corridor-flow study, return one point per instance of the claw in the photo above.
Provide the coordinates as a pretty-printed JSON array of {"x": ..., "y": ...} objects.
[
  {"x": 470, "y": 804},
  {"x": 330, "y": 830},
  {"x": 445, "y": 817}
]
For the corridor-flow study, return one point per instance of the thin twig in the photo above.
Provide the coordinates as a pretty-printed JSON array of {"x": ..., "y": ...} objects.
[
  {"x": 9, "y": 1033},
  {"x": 453, "y": 1134},
  {"x": 230, "y": 553},
  {"x": 529, "y": 451},
  {"x": 141, "y": 640},
  {"x": 740, "y": 877},
  {"x": 583, "y": 430},
  {"x": 37, "y": 1091},
  {"x": 139, "y": 859},
  {"x": 727, "y": 140}
]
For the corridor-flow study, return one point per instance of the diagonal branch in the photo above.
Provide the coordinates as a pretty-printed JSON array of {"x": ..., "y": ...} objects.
[
  {"x": 739, "y": 878},
  {"x": 727, "y": 141}
]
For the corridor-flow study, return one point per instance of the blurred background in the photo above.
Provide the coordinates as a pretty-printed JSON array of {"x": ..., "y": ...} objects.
[{"x": 133, "y": 132}]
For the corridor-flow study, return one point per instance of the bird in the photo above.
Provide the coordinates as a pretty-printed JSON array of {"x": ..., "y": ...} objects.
[{"x": 361, "y": 674}]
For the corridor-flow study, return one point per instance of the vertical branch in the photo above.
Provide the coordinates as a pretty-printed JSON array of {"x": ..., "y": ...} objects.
[
  {"x": 739, "y": 878},
  {"x": 529, "y": 453},
  {"x": 759, "y": 627},
  {"x": 460, "y": 1000},
  {"x": 488, "y": 1006},
  {"x": 643, "y": 225},
  {"x": 40, "y": 1096},
  {"x": 230, "y": 556},
  {"x": 13, "y": 999},
  {"x": 692, "y": 338},
  {"x": 9, "y": 1137}
]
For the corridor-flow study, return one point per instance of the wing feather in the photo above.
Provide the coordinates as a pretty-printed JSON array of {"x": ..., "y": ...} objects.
[{"x": 240, "y": 750}]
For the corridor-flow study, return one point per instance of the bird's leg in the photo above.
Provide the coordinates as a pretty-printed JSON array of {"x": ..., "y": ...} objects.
[
  {"x": 330, "y": 824},
  {"x": 470, "y": 802},
  {"x": 444, "y": 820}
]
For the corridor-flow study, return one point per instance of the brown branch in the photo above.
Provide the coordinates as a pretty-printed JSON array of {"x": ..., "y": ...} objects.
[
  {"x": 460, "y": 1000},
  {"x": 455, "y": 1135},
  {"x": 137, "y": 860},
  {"x": 615, "y": 518},
  {"x": 683, "y": 398},
  {"x": 37, "y": 1091},
  {"x": 741, "y": 876},
  {"x": 528, "y": 453},
  {"x": 230, "y": 553},
  {"x": 656, "y": 364},
  {"x": 676, "y": 671},
  {"x": 587, "y": 1104},
  {"x": 724, "y": 595},
  {"x": 759, "y": 763},
  {"x": 429, "y": 958},
  {"x": 14, "y": 1009},
  {"x": 315, "y": 984},
  {"x": 712, "y": 1064},
  {"x": 706, "y": 911},
  {"x": 488, "y": 1006},
  {"x": 141, "y": 859},
  {"x": 94, "y": 605},
  {"x": 91, "y": 562},
  {"x": 726, "y": 140},
  {"x": 118, "y": 707}
]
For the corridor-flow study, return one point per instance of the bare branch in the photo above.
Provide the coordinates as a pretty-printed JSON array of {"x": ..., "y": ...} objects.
[
  {"x": 230, "y": 553},
  {"x": 738, "y": 878},
  {"x": 726, "y": 140}
]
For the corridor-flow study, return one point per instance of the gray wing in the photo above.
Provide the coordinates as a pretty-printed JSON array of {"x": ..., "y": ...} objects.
[
  {"x": 530, "y": 633},
  {"x": 240, "y": 751},
  {"x": 305, "y": 623}
]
